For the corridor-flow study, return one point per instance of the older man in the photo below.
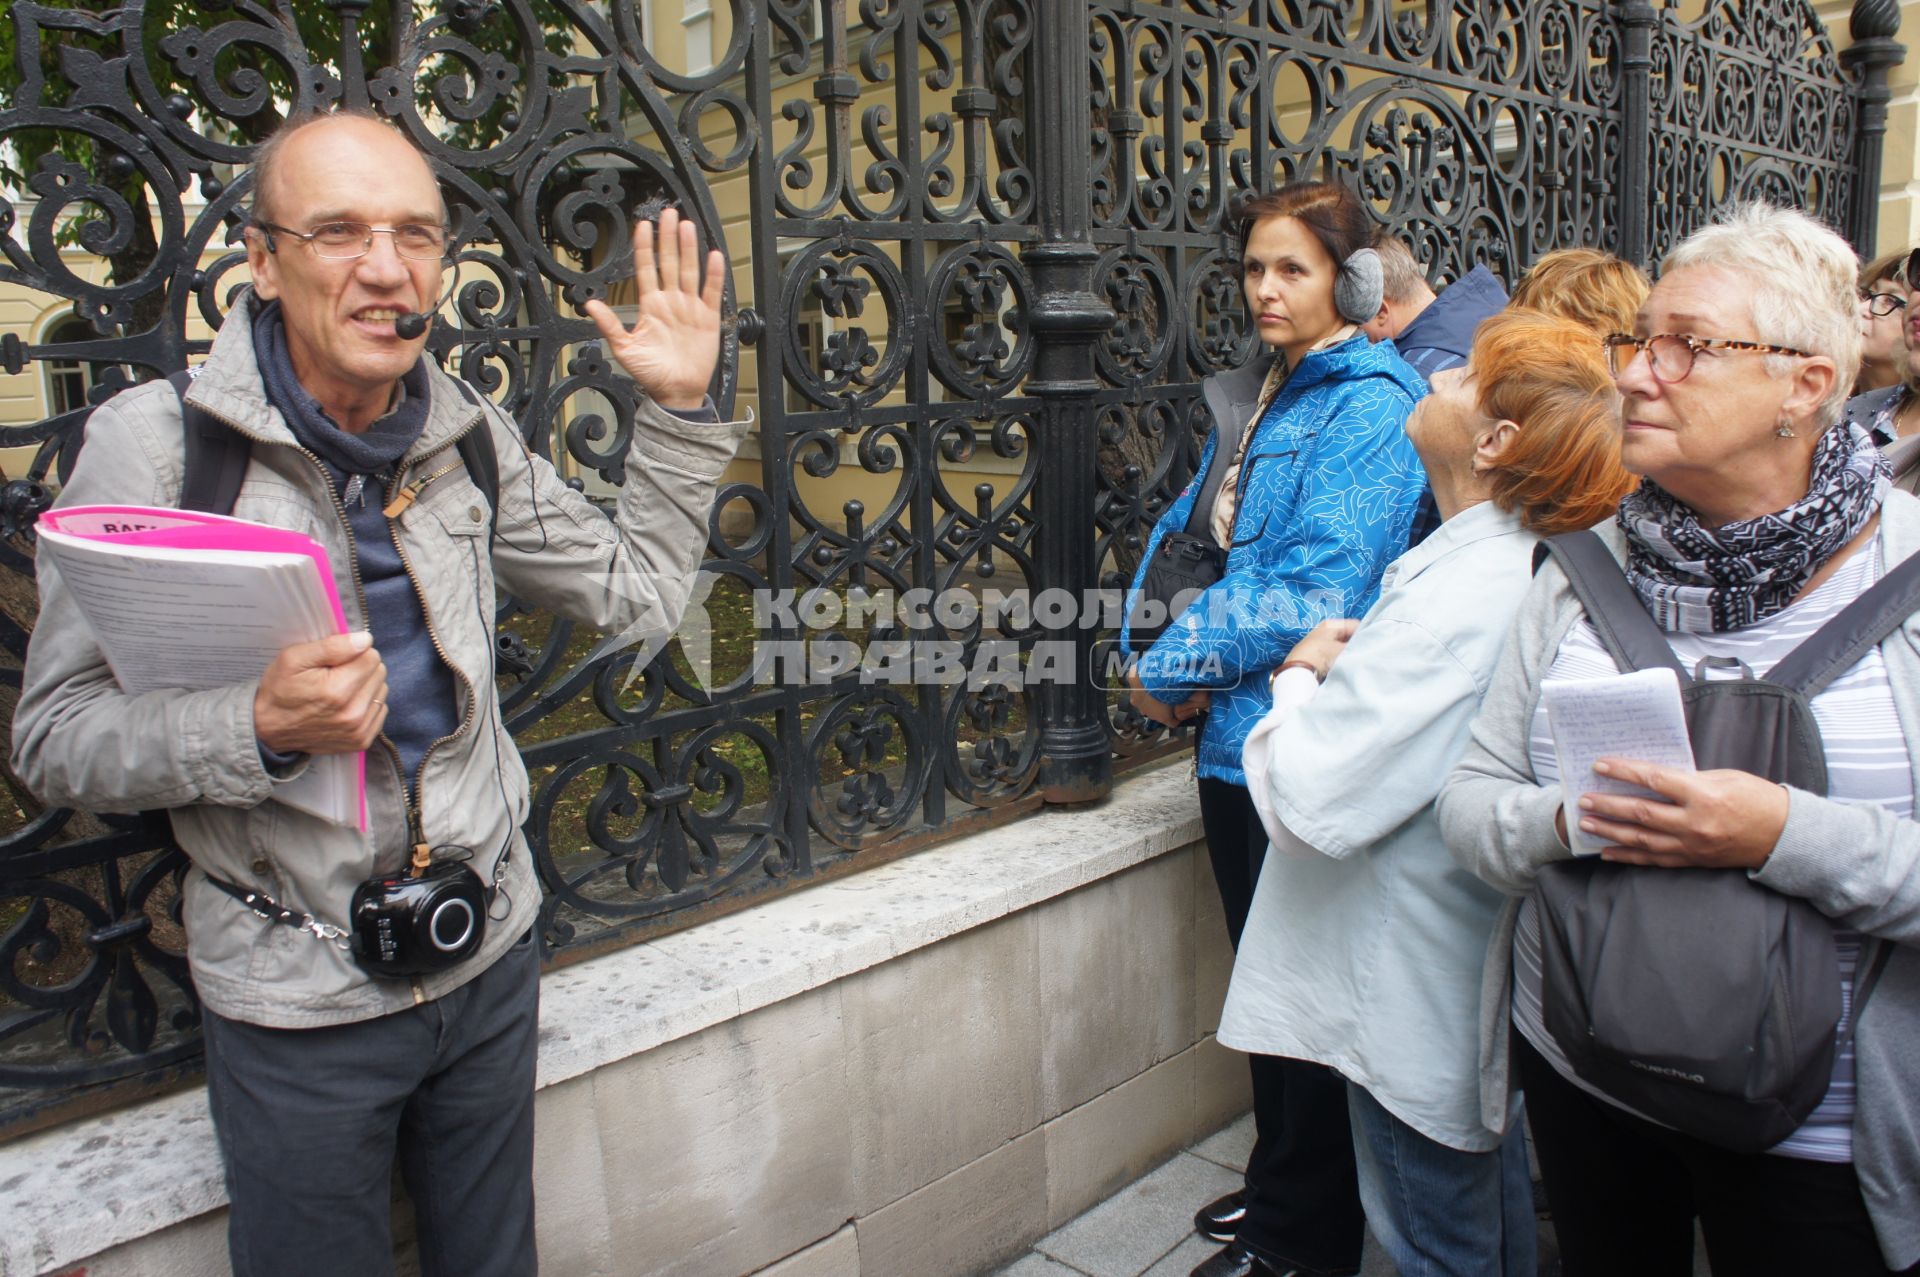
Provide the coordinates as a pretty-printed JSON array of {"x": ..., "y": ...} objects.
[
  {"x": 322, "y": 1063},
  {"x": 1432, "y": 331}
]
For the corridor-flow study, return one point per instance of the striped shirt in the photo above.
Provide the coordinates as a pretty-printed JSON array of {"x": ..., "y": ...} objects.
[{"x": 1867, "y": 762}]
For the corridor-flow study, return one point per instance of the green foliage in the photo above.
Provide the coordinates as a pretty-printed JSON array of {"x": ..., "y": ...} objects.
[{"x": 444, "y": 85}]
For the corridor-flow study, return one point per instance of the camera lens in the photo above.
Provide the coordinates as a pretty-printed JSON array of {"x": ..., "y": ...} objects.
[{"x": 452, "y": 924}]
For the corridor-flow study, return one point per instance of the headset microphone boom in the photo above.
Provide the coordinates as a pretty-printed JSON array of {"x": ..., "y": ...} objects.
[{"x": 410, "y": 324}]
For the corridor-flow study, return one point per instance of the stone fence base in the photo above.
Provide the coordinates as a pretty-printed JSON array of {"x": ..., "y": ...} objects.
[{"x": 915, "y": 1071}]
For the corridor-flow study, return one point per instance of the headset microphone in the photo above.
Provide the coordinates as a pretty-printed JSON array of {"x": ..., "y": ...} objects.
[{"x": 410, "y": 324}]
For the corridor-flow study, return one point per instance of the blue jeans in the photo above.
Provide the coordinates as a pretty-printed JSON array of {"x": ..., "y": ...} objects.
[{"x": 1438, "y": 1211}]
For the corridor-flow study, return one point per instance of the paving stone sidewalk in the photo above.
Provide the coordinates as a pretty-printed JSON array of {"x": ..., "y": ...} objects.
[{"x": 1146, "y": 1229}]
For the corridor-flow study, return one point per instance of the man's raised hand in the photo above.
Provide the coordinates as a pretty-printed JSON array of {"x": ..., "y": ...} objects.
[{"x": 674, "y": 343}]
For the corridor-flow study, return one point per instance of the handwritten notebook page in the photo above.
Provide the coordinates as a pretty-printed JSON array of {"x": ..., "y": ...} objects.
[{"x": 1637, "y": 716}]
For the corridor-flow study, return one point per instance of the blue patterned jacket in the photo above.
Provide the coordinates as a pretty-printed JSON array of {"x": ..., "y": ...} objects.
[{"x": 1328, "y": 489}]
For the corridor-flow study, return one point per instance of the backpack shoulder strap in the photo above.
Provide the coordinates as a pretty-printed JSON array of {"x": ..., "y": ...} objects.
[
  {"x": 483, "y": 466},
  {"x": 1618, "y": 615},
  {"x": 1838, "y": 645},
  {"x": 482, "y": 461},
  {"x": 216, "y": 457},
  {"x": 1201, "y": 515}
]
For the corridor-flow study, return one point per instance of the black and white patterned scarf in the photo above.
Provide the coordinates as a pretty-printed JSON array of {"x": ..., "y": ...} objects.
[{"x": 1702, "y": 580}]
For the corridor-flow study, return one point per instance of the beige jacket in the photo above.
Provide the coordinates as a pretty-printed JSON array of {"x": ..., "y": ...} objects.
[{"x": 79, "y": 741}]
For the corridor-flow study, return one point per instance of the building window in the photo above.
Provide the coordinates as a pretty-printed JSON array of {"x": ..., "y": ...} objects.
[
  {"x": 68, "y": 380},
  {"x": 696, "y": 22}
]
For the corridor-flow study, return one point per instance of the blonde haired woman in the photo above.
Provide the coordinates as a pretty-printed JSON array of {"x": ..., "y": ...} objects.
[{"x": 1758, "y": 519}]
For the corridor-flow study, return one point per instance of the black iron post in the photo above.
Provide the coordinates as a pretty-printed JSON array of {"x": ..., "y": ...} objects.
[
  {"x": 1075, "y": 754},
  {"x": 1874, "y": 53},
  {"x": 1637, "y": 20}
]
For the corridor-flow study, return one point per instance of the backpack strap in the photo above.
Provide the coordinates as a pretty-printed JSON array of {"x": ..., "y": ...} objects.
[
  {"x": 216, "y": 456},
  {"x": 1838, "y": 645},
  {"x": 1617, "y": 614},
  {"x": 1201, "y": 515},
  {"x": 482, "y": 461}
]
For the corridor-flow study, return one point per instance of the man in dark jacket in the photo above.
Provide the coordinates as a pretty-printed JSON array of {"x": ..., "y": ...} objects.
[{"x": 1431, "y": 331}]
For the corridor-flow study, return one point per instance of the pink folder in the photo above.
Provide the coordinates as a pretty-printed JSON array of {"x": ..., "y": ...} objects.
[{"x": 192, "y": 530}]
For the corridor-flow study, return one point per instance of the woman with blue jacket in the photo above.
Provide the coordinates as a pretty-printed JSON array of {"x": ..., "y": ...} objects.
[{"x": 1318, "y": 498}]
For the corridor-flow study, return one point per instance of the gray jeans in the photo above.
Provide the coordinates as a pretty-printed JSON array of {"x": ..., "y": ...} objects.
[{"x": 310, "y": 1120}]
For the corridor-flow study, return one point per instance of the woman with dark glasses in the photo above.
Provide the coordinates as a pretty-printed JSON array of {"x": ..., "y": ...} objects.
[
  {"x": 1883, "y": 319},
  {"x": 1891, "y": 414}
]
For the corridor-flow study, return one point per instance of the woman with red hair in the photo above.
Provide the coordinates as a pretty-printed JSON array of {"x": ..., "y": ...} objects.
[{"x": 1366, "y": 941}]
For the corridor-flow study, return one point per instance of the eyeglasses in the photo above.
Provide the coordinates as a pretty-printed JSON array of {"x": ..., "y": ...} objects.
[
  {"x": 1883, "y": 303},
  {"x": 1671, "y": 355},
  {"x": 339, "y": 241}
]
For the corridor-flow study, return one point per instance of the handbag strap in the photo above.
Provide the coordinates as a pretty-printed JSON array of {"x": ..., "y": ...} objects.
[
  {"x": 273, "y": 911},
  {"x": 1859, "y": 627}
]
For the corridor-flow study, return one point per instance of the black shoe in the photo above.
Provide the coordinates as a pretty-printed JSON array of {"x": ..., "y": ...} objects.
[
  {"x": 1237, "y": 1261},
  {"x": 1218, "y": 1221}
]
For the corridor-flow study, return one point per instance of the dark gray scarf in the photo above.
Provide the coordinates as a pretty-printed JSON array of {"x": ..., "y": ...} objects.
[{"x": 371, "y": 453}]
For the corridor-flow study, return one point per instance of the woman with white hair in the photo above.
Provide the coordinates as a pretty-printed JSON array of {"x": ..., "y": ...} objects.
[{"x": 1758, "y": 519}]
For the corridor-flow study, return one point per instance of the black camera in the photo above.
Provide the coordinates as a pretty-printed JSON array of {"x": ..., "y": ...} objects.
[{"x": 405, "y": 925}]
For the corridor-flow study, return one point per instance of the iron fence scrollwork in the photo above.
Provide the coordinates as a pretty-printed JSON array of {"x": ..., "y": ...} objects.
[{"x": 982, "y": 261}]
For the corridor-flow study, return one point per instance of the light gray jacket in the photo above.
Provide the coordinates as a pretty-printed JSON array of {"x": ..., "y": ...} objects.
[
  {"x": 78, "y": 740},
  {"x": 1858, "y": 864}
]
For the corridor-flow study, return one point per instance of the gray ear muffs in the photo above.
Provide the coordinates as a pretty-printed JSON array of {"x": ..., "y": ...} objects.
[{"x": 1360, "y": 287}]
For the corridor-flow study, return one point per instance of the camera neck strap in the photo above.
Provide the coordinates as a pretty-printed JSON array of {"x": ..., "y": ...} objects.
[{"x": 273, "y": 911}]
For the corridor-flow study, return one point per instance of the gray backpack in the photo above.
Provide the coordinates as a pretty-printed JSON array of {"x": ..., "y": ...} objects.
[{"x": 1696, "y": 997}]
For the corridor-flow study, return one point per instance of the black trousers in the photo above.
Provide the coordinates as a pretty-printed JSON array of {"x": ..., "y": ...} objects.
[
  {"x": 309, "y": 1121},
  {"x": 1624, "y": 1194},
  {"x": 1303, "y": 1205}
]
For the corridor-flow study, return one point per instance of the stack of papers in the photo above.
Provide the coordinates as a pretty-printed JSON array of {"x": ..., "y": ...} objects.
[{"x": 179, "y": 599}]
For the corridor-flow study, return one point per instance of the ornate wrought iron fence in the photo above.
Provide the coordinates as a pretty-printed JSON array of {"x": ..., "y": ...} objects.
[{"x": 981, "y": 264}]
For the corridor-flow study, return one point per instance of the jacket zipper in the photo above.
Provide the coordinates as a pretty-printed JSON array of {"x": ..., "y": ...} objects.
[
  {"x": 1242, "y": 448},
  {"x": 473, "y": 696},
  {"x": 411, "y": 492},
  {"x": 1261, "y": 406},
  {"x": 398, "y": 500},
  {"x": 353, "y": 552},
  {"x": 415, "y": 826}
]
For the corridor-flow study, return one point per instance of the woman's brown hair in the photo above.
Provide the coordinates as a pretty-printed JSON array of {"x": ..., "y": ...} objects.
[
  {"x": 1330, "y": 211},
  {"x": 1560, "y": 471},
  {"x": 1892, "y": 267},
  {"x": 1585, "y": 285}
]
